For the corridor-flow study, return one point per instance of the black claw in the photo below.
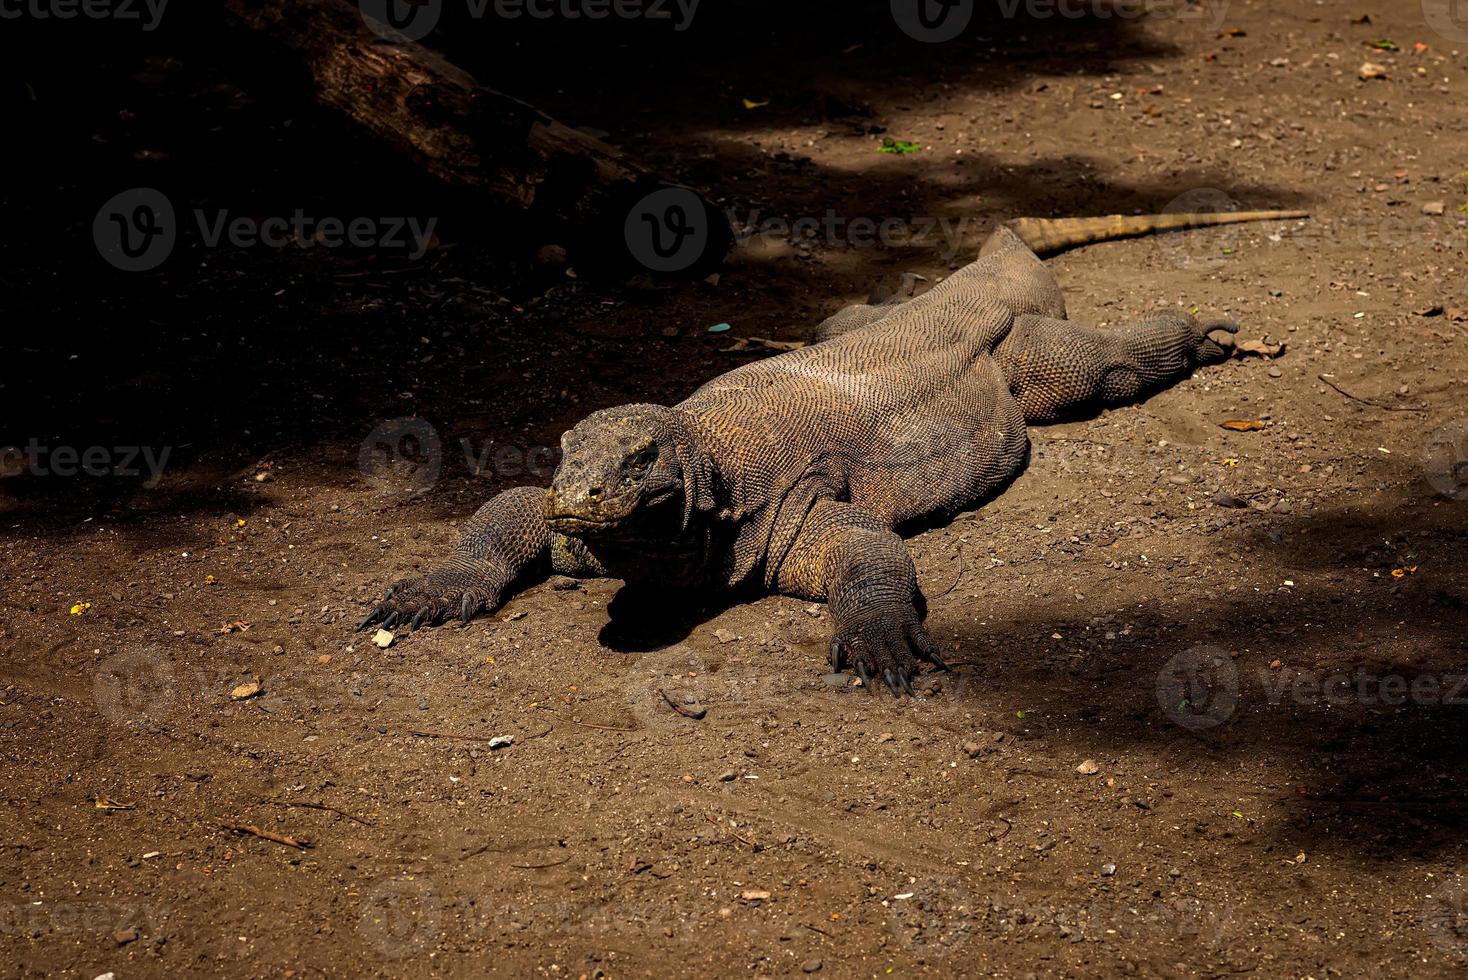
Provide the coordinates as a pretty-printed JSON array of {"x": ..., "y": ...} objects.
[
  {"x": 367, "y": 619},
  {"x": 418, "y": 619},
  {"x": 392, "y": 618},
  {"x": 466, "y": 609},
  {"x": 838, "y": 656},
  {"x": 865, "y": 674},
  {"x": 891, "y": 680},
  {"x": 906, "y": 682},
  {"x": 938, "y": 661}
]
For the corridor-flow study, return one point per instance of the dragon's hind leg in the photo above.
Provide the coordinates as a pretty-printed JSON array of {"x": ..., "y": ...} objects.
[
  {"x": 859, "y": 315},
  {"x": 1058, "y": 370}
]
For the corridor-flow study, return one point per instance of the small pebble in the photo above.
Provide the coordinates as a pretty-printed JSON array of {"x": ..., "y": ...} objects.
[{"x": 1225, "y": 499}]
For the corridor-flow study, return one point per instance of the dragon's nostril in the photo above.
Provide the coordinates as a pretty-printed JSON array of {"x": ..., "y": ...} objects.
[{"x": 593, "y": 491}]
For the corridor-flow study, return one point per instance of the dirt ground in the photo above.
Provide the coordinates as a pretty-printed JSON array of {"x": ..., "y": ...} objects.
[{"x": 1207, "y": 715}]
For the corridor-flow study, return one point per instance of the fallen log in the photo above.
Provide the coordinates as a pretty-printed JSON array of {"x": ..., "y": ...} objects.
[{"x": 468, "y": 136}]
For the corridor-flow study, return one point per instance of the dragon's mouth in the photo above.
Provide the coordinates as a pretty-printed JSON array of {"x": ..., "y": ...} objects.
[
  {"x": 573, "y": 524},
  {"x": 604, "y": 518}
]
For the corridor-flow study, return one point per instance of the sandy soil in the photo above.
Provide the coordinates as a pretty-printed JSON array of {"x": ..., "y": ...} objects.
[{"x": 1207, "y": 716}]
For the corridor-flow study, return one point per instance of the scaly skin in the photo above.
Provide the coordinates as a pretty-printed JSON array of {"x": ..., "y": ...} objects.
[{"x": 795, "y": 473}]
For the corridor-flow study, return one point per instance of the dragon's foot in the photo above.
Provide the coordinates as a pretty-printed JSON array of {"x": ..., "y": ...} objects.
[
  {"x": 885, "y": 644},
  {"x": 1214, "y": 341},
  {"x": 431, "y": 599}
]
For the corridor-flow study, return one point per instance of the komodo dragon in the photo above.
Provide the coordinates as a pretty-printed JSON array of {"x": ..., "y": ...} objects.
[{"x": 796, "y": 474}]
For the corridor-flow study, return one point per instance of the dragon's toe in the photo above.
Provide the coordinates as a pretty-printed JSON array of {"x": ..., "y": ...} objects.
[
  {"x": 885, "y": 648},
  {"x": 1215, "y": 341},
  {"x": 426, "y": 601}
]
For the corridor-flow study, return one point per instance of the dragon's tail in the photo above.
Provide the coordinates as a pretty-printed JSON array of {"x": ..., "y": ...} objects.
[{"x": 1047, "y": 236}]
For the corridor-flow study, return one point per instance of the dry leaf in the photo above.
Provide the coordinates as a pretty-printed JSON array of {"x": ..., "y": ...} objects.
[
  {"x": 1260, "y": 348},
  {"x": 246, "y": 691},
  {"x": 103, "y": 803},
  {"x": 742, "y": 344},
  {"x": 1372, "y": 70},
  {"x": 1242, "y": 425}
]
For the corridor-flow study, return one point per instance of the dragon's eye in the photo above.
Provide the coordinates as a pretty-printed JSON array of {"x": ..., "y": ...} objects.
[{"x": 644, "y": 458}]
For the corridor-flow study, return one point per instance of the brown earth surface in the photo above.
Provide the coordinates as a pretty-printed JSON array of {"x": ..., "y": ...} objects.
[{"x": 1181, "y": 738}]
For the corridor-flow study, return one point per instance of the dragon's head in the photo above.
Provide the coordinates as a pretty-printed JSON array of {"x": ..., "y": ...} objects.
[{"x": 635, "y": 467}]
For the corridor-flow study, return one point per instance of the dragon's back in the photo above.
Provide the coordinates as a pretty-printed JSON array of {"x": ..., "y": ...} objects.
[{"x": 907, "y": 416}]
